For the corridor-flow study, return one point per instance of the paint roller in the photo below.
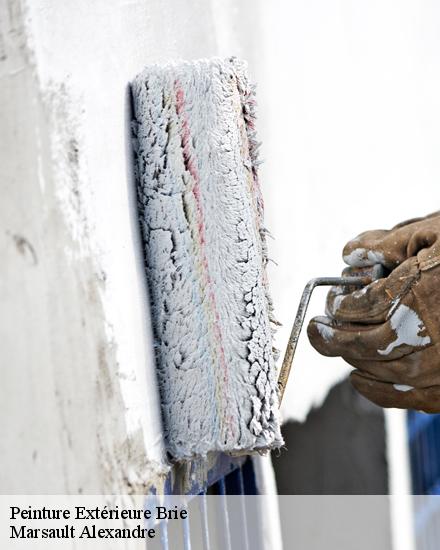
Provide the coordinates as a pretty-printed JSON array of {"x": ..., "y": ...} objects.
[{"x": 201, "y": 217}]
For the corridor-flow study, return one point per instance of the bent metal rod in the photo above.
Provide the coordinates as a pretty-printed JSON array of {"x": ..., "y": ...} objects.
[{"x": 299, "y": 320}]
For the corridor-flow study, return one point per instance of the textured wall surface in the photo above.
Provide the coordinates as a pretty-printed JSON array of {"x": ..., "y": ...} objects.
[{"x": 78, "y": 387}]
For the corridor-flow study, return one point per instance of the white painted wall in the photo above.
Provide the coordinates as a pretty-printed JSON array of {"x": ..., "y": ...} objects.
[
  {"x": 349, "y": 111},
  {"x": 349, "y": 116}
]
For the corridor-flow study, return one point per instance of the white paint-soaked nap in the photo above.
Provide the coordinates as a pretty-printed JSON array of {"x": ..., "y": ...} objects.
[
  {"x": 361, "y": 257},
  {"x": 407, "y": 325},
  {"x": 403, "y": 387},
  {"x": 201, "y": 217}
]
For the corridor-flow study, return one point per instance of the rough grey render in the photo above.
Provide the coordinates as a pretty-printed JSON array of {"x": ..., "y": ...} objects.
[{"x": 63, "y": 424}]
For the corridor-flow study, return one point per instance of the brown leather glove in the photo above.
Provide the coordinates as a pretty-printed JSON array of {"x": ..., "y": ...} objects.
[{"x": 390, "y": 330}]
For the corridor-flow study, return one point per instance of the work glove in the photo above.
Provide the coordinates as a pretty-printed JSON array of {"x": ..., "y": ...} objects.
[{"x": 390, "y": 329}]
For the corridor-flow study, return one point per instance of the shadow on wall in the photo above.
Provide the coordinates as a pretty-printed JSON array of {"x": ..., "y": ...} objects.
[{"x": 339, "y": 450}]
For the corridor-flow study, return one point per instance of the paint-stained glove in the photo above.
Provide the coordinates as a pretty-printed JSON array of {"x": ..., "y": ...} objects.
[{"x": 390, "y": 330}]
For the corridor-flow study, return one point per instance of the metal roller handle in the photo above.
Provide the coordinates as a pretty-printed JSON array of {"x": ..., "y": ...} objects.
[{"x": 299, "y": 320}]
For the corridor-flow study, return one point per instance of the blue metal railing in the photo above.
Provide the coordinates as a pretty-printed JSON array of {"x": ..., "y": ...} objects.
[
  {"x": 228, "y": 476},
  {"x": 424, "y": 447}
]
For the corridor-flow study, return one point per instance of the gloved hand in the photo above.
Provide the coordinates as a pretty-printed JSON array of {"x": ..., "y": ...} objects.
[{"x": 390, "y": 330}]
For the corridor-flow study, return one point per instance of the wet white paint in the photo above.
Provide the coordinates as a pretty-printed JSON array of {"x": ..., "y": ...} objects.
[
  {"x": 337, "y": 303},
  {"x": 361, "y": 257},
  {"x": 407, "y": 325},
  {"x": 361, "y": 292},
  {"x": 325, "y": 331},
  {"x": 403, "y": 387},
  {"x": 339, "y": 297}
]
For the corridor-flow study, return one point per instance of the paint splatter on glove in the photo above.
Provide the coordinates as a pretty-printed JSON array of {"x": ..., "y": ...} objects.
[{"x": 390, "y": 330}]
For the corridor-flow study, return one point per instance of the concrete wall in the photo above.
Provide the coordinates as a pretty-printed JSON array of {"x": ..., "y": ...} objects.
[{"x": 77, "y": 385}]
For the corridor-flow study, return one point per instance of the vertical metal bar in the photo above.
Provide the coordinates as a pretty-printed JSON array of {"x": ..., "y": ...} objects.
[
  {"x": 186, "y": 534},
  {"x": 221, "y": 486},
  {"x": 205, "y": 526},
  {"x": 429, "y": 452},
  {"x": 243, "y": 509},
  {"x": 420, "y": 457},
  {"x": 163, "y": 527},
  {"x": 429, "y": 532},
  {"x": 425, "y": 464},
  {"x": 435, "y": 522},
  {"x": 436, "y": 444},
  {"x": 226, "y": 532},
  {"x": 431, "y": 545}
]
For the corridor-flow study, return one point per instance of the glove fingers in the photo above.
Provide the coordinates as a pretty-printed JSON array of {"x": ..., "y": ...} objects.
[
  {"x": 403, "y": 333},
  {"x": 405, "y": 371},
  {"x": 387, "y": 395},
  {"x": 389, "y": 248},
  {"x": 367, "y": 250},
  {"x": 377, "y": 271},
  {"x": 371, "y": 304},
  {"x": 368, "y": 305},
  {"x": 425, "y": 245},
  {"x": 337, "y": 293},
  {"x": 352, "y": 341}
]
